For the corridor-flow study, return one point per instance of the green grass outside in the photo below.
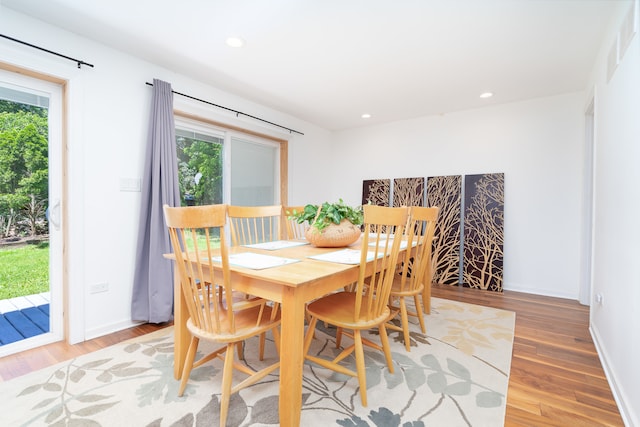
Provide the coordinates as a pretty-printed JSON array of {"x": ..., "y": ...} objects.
[
  {"x": 24, "y": 270},
  {"x": 202, "y": 242}
]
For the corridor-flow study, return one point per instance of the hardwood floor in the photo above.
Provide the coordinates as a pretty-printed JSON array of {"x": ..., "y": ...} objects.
[
  {"x": 31, "y": 360},
  {"x": 556, "y": 377}
]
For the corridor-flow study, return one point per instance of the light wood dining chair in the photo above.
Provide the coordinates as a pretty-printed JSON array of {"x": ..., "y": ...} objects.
[
  {"x": 214, "y": 314},
  {"x": 366, "y": 307},
  {"x": 295, "y": 231},
  {"x": 255, "y": 224},
  {"x": 414, "y": 273}
]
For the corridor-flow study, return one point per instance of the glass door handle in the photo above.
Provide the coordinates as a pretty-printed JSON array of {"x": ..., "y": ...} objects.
[{"x": 54, "y": 214}]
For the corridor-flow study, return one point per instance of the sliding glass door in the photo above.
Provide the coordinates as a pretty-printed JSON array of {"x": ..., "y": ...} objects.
[{"x": 31, "y": 227}]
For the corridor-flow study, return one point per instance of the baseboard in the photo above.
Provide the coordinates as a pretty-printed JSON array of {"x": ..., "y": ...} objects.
[
  {"x": 109, "y": 329},
  {"x": 538, "y": 291},
  {"x": 624, "y": 406}
]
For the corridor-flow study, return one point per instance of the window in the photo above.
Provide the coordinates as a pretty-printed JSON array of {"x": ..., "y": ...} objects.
[
  {"x": 200, "y": 159},
  {"x": 254, "y": 173},
  {"x": 217, "y": 165}
]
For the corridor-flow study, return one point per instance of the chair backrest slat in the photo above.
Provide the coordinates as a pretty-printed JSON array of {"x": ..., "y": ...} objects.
[
  {"x": 294, "y": 229},
  {"x": 255, "y": 224},
  {"x": 416, "y": 264},
  {"x": 382, "y": 238},
  {"x": 195, "y": 232}
]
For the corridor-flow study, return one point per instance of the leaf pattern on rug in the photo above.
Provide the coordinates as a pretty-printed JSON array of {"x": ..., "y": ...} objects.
[
  {"x": 71, "y": 408},
  {"x": 482, "y": 330},
  {"x": 437, "y": 383}
]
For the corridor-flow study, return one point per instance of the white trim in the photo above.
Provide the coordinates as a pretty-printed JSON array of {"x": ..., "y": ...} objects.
[
  {"x": 199, "y": 127},
  {"x": 537, "y": 290},
  {"x": 110, "y": 328},
  {"x": 618, "y": 395},
  {"x": 56, "y": 234},
  {"x": 28, "y": 344},
  {"x": 588, "y": 205}
]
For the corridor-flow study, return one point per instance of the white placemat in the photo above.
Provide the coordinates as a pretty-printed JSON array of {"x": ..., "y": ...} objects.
[
  {"x": 403, "y": 244},
  {"x": 256, "y": 261},
  {"x": 344, "y": 256},
  {"x": 278, "y": 244}
]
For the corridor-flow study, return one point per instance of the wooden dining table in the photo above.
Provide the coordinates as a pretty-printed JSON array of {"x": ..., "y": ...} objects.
[{"x": 292, "y": 285}]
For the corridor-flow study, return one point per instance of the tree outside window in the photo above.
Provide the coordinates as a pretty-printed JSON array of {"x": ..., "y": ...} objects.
[
  {"x": 199, "y": 168},
  {"x": 24, "y": 169}
]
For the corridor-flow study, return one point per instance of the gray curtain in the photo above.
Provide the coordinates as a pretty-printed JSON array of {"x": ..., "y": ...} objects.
[{"x": 153, "y": 280}]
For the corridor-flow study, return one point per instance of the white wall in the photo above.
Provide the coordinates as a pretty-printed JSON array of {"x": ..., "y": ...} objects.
[
  {"x": 107, "y": 127},
  {"x": 615, "y": 324},
  {"x": 538, "y": 146}
]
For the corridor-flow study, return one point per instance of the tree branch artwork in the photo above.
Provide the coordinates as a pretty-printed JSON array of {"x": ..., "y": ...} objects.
[
  {"x": 445, "y": 192},
  {"x": 408, "y": 192},
  {"x": 484, "y": 231},
  {"x": 376, "y": 192}
]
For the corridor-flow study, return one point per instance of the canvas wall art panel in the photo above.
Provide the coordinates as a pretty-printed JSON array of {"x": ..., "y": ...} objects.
[
  {"x": 483, "y": 231},
  {"x": 376, "y": 192},
  {"x": 446, "y": 193},
  {"x": 408, "y": 192}
]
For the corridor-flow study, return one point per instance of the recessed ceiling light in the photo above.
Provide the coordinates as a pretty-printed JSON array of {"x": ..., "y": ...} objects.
[
  {"x": 486, "y": 95},
  {"x": 366, "y": 116},
  {"x": 235, "y": 42}
]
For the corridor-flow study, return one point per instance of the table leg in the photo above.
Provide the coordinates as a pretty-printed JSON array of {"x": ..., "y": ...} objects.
[
  {"x": 426, "y": 292},
  {"x": 291, "y": 358},
  {"x": 426, "y": 298},
  {"x": 180, "y": 333}
]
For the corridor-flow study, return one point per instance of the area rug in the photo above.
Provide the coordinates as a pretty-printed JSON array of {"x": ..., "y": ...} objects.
[{"x": 455, "y": 375}]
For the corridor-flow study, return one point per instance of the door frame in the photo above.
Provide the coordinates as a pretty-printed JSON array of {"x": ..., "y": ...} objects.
[
  {"x": 58, "y": 262},
  {"x": 588, "y": 204}
]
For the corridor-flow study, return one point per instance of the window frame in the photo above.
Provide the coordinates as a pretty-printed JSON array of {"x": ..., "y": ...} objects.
[{"x": 228, "y": 131}]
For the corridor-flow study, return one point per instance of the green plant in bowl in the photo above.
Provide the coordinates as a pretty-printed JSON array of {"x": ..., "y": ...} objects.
[{"x": 320, "y": 217}]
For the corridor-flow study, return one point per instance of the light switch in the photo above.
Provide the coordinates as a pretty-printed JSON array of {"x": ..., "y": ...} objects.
[{"x": 129, "y": 184}]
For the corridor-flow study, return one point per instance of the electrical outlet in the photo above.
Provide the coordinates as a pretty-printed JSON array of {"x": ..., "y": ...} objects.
[{"x": 99, "y": 287}]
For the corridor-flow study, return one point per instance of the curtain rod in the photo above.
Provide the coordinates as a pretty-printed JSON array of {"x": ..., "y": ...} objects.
[
  {"x": 77, "y": 61},
  {"x": 234, "y": 111}
]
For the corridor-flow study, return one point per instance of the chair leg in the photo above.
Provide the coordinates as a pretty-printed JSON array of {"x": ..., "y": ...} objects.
[
  {"x": 276, "y": 339},
  {"x": 420, "y": 314},
  {"x": 404, "y": 318},
  {"x": 275, "y": 331},
  {"x": 188, "y": 364},
  {"x": 227, "y": 376},
  {"x": 362, "y": 374},
  {"x": 338, "y": 337},
  {"x": 263, "y": 337},
  {"x": 384, "y": 338},
  {"x": 240, "y": 350},
  {"x": 309, "y": 335}
]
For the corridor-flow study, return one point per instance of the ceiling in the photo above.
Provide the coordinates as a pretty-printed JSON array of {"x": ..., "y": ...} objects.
[{"x": 330, "y": 61}]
